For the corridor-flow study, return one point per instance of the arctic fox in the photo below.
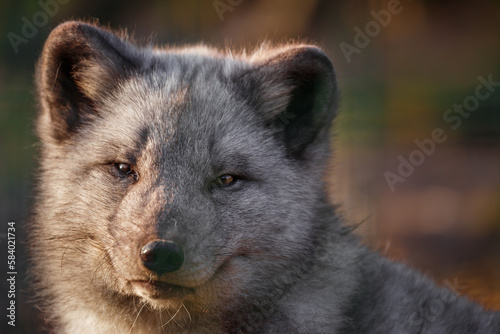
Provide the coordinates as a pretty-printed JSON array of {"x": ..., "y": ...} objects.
[{"x": 180, "y": 191}]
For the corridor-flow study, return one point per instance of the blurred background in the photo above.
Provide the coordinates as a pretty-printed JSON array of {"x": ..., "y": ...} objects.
[{"x": 417, "y": 145}]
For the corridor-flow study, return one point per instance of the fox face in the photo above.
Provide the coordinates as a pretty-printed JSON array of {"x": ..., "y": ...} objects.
[{"x": 176, "y": 181}]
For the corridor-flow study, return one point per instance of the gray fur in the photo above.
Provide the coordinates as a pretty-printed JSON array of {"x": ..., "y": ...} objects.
[{"x": 266, "y": 254}]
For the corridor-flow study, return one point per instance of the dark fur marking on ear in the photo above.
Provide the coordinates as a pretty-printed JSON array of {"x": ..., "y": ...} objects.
[
  {"x": 294, "y": 90},
  {"x": 80, "y": 64}
]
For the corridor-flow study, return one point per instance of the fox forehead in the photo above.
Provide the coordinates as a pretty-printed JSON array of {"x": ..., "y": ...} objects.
[
  {"x": 159, "y": 114},
  {"x": 174, "y": 85}
]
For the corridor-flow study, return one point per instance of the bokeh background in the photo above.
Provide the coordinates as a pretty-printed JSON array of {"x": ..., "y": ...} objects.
[{"x": 397, "y": 83}]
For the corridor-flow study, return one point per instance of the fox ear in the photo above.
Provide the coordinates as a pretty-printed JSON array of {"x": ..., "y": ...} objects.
[
  {"x": 295, "y": 89},
  {"x": 80, "y": 63}
]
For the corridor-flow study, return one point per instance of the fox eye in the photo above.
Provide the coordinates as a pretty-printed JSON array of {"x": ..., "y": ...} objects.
[
  {"x": 125, "y": 170},
  {"x": 226, "y": 180}
]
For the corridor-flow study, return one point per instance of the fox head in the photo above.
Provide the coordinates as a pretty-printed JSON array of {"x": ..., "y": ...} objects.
[{"x": 181, "y": 179}]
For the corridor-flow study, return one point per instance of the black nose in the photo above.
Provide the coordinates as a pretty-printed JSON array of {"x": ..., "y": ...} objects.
[{"x": 162, "y": 256}]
